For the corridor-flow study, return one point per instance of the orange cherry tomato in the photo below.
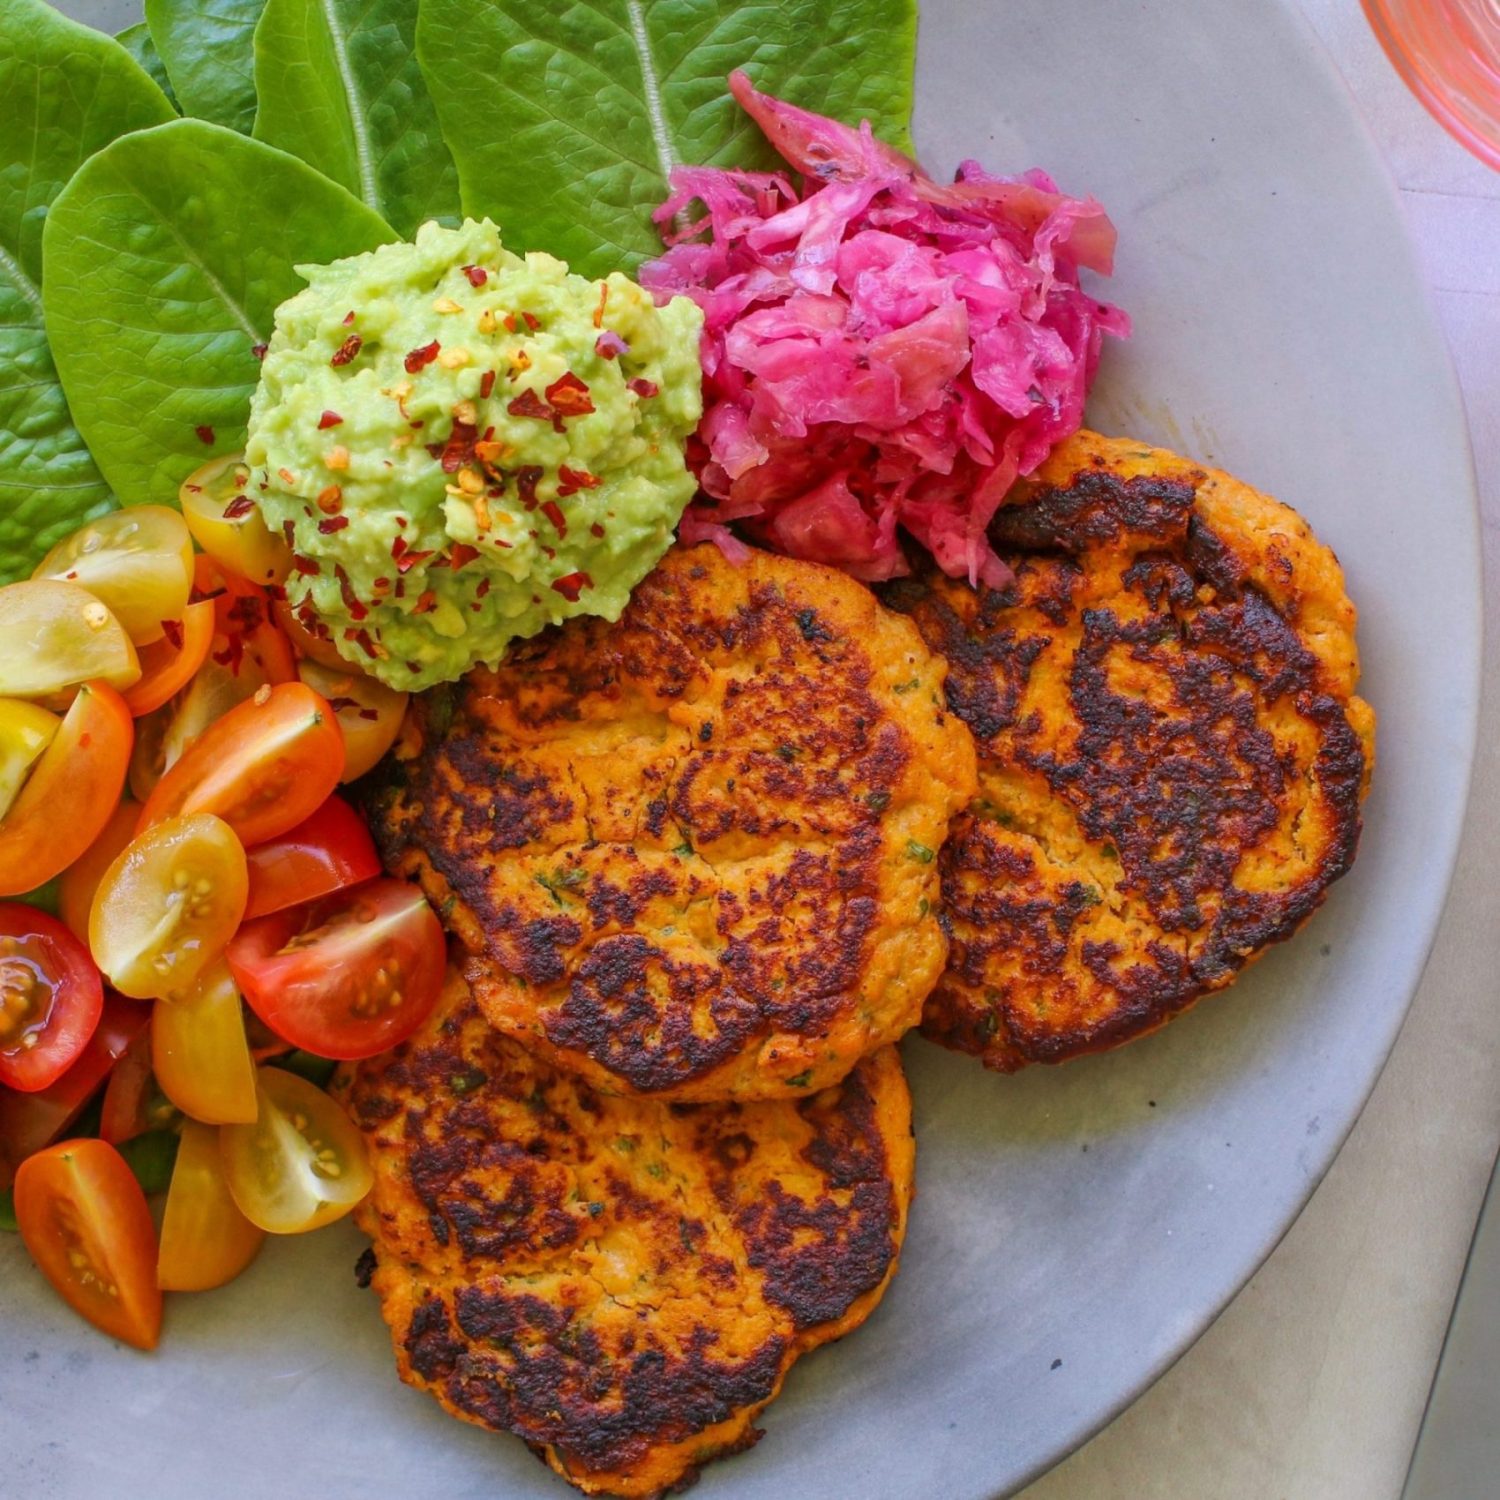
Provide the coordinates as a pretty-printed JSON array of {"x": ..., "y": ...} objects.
[
  {"x": 71, "y": 792},
  {"x": 75, "y": 891},
  {"x": 168, "y": 665},
  {"x": 85, "y": 1221},
  {"x": 245, "y": 630},
  {"x": 301, "y": 1165},
  {"x": 205, "y": 1239},
  {"x": 308, "y": 644},
  {"x": 263, "y": 768},
  {"x": 133, "y": 1104},
  {"x": 370, "y": 713},
  {"x": 327, "y": 852},
  {"x": 50, "y": 998},
  {"x": 200, "y": 1054}
]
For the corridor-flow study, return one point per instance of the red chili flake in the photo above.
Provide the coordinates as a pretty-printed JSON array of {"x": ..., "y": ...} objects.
[
  {"x": 532, "y": 323},
  {"x": 459, "y": 449},
  {"x": 569, "y": 396},
  {"x": 241, "y": 505},
  {"x": 205, "y": 435},
  {"x": 609, "y": 344},
  {"x": 401, "y": 522},
  {"x": 461, "y": 553},
  {"x": 413, "y": 666},
  {"x": 571, "y": 584},
  {"x": 258, "y": 350},
  {"x": 352, "y": 603},
  {"x": 289, "y": 531},
  {"x": 330, "y": 499},
  {"x": 347, "y": 350},
  {"x": 526, "y": 480},
  {"x": 328, "y": 419},
  {"x": 330, "y": 524},
  {"x": 483, "y": 589},
  {"x": 361, "y": 638},
  {"x": 382, "y": 582},
  {"x": 477, "y": 275},
  {"x": 603, "y": 298},
  {"x": 508, "y": 322},
  {"x": 529, "y": 404},
  {"x": 570, "y": 481},
  {"x": 369, "y": 714},
  {"x": 423, "y": 356},
  {"x": 425, "y": 604},
  {"x": 486, "y": 385},
  {"x": 172, "y": 629},
  {"x": 348, "y": 317},
  {"x": 434, "y": 450},
  {"x": 553, "y": 512},
  {"x": 398, "y": 546},
  {"x": 410, "y": 560},
  {"x": 646, "y": 389},
  {"x": 596, "y": 529},
  {"x": 306, "y": 566}
]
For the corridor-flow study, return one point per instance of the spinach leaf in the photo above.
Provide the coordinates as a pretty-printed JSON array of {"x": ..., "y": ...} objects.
[
  {"x": 136, "y": 40},
  {"x": 166, "y": 258},
  {"x": 68, "y": 91},
  {"x": 206, "y": 48},
  {"x": 565, "y": 119},
  {"x": 339, "y": 86}
]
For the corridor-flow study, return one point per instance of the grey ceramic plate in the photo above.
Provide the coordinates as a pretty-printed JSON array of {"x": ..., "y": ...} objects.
[{"x": 1075, "y": 1229}]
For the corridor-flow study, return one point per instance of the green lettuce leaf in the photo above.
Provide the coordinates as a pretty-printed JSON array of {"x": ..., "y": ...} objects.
[
  {"x": 206, "y": 48},
  {"x": 166, "y": 258},
  {"x": 136, "y": 40},
  {"x": 338, "y": 85},
  {"x": 67, "y": 91},
  {"x": 564, "y": 119}
]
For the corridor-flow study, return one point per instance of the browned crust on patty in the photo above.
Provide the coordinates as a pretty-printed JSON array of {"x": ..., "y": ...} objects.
[
  {"x": 622, "y": 1283},
  {"x": 1171, "y": 754},
  {"x": 692, "y": 854}
]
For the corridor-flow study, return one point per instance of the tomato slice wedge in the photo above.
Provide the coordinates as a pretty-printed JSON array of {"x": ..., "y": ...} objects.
[
  {"x": 301, "y": 1165},
  {"x": 347, "y": 977},
  {"x": 25, "y": 732},
  {"x": 57, "y": 636},
  {"x": 200, "y": 1053},
  {"x": 69, "y": 796},
  {"x": 225, "y": 521},
  {"x": 51, "y": 998},
  {"x": 133, "y": 1102},
  {"x": 30, "y": 1121},
  {"x": 85, "y": 1221},
  {"x": 167, "y": 665},
  {"x": 327, "y": 852},
  {"x": 205, "y": 1239},
  {"x": 167, "y": 905},
  {"x": 262, "y": 768},
  {"x": 246, "y": 635},
  {"x": 75, "y": 891}
]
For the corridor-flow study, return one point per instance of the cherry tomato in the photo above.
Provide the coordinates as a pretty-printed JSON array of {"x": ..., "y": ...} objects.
[
  {"x": 200, "y": 1054},
  {"x": 71, "y": 792},
  {"x": 50, "y": 998},
  {"x": 25, "y": 731},
  {"x": 307, "y": 643},
  {"x": 370, "y": 713},
  {"x": 226, "y": 522},
  {"x": 245, "y": 630},
  {"x": 133, "y": 1104},
  {"x": 57, "y": 636},
  {"x": 329, "y": 852},
  {"x": 167, "y": 665},
  {"x": 30, "y": 1121},
  {"x": 302, "y": 1163},
  {"x": 205, "y": 1239},
  {"x": 85, "y": 1221},
  {"x": 75, "y": 892},
  {"x": 263, "y": 768},
  {"x": 347, "y": 977},
  {"x": 139, "y": 562},
  {"x": 167, "y": 905}
]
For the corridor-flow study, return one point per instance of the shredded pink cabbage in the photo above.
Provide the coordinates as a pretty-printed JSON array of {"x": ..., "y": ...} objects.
[{"x": 881, "y": 352}]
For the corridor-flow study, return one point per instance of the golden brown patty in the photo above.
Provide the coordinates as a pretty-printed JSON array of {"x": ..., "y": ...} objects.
[
  {"x": 693, "y": 855},
  {"x": 1172, "y": 758},
  {"x": 622, "y": 1283}
]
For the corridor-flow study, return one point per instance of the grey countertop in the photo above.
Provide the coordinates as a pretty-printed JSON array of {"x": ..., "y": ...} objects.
[{"x": 1312, "y": 1384}]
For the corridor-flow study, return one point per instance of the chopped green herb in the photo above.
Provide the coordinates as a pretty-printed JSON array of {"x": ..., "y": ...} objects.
[
  {"x": 924, "y": 906},
  {"x": 683, "y": 851},
  {"x": 801, "y": 1080},
  {"x": 877, "y": 801},
  {"x": 919, "y": 852},
  {"x": 467, "y": 1081},
  {"x": 908, "y": 687},
  {"x": 656, "y": 1169}
]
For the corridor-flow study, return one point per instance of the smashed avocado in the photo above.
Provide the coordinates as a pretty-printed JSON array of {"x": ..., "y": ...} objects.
[{"x": 463, "y": 446}]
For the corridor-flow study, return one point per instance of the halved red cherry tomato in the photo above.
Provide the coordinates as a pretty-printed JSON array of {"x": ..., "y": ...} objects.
[
  {"x": 69, "y": 796},
  {"x": 51, "y": 998},
  {"x": 168, "y": 665},
  {"x": 85, "y": 1221},
  {"x": 205, "y": 1239},
  {"x": 75, "y": 892},
  {"x": 30, "y": 1121},
  {"x": 245, "y": 630},
  {"x": 347, "y": 977},
  {"x": 262, "y": 768},
  {"x": 328, "y": 852}
]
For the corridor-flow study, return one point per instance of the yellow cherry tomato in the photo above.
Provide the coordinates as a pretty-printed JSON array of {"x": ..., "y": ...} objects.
[
  {"x": 199, "y": 1052},
  {"x": 138, "y": 561},
  {"x": 58, "y": 635},
  {"x": 225, "y": 521},
  {"x": 369, "y": 712},
  {"x": 205, "y": 1239},
  {"x": 168, "y": 904},
  {"x": 301, "y": 1165},
  {"x": 75, "y": 892},
  {"x": 25, "y": 731}
]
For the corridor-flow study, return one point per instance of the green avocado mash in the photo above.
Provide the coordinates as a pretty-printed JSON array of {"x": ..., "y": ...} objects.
[{"x": 464, "y": 447}]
